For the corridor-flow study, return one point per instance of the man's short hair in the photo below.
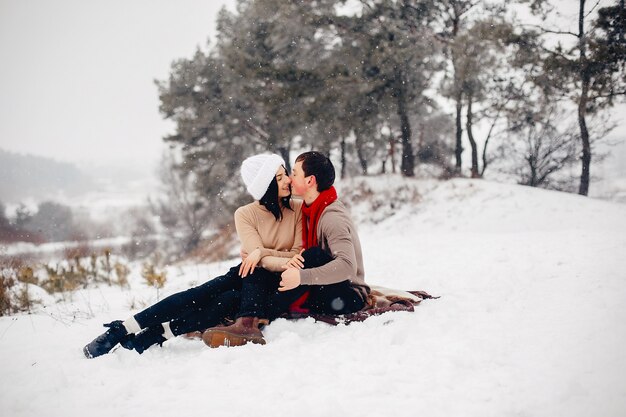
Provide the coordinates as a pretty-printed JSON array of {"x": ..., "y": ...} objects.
[{"x": 318, "y": 164}]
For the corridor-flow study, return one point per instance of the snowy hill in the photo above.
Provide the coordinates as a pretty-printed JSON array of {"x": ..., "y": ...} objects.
[{"x": 530, "y": 323}]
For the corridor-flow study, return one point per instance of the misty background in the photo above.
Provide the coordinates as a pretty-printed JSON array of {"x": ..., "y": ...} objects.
[
  {"x": 91, "y": 90},
  {"x": 78, "y": 89}
]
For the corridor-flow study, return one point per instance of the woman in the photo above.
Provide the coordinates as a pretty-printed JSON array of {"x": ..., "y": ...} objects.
[{"x": 270, "y": 232}]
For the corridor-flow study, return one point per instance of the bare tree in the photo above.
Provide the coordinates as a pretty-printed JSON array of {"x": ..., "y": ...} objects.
[
  {"x": 548, "y": 150},
  {"x": 549, "y": 145},
  {"x": 182, "y": 212},
  {"x": 588, "y": 67}
]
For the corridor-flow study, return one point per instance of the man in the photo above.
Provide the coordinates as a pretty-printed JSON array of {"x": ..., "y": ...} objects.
[{"x": 328, "y": 277}]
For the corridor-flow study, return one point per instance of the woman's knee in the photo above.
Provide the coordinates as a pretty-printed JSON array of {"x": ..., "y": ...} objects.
[
  {"x": 229, "y": 296},
  {"x": 227, "y": 302}
]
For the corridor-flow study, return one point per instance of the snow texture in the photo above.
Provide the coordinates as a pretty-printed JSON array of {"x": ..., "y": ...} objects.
[{"x": 530, "y": 323}]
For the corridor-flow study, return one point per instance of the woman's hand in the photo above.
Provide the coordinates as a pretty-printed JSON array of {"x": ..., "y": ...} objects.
[
  {"x": 296, "y": 262},
  {"x": 249, "y": 263}
]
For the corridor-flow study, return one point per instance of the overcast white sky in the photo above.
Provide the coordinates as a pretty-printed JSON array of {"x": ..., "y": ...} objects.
[{"x": 76, "y": 80}]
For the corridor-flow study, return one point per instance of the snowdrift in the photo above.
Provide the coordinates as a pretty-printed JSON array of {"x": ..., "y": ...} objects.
[{"x": 530, "y": 323}]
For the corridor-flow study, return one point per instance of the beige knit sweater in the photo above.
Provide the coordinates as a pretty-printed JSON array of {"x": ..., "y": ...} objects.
[{"x": 278, "y": 240}]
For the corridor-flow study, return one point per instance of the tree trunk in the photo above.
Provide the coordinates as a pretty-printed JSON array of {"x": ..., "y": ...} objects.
[
  {"x": 359, "y": 151},
  {"x": 192, "y": 242},
  {"x": 392, "y": 153},
  {"x": 621, "y": 27},
  {"x": 532, "y": 158},
  {"x": 485, "y": 161},
  {"x": 582, "y": 103},
  {"x": 470, "y": 136},
  {"x": 343, "y": 158},
  {"x": 533, "y": 172},
  {"x": 284, "y": 152},
  {"x": 458, "y": 150},
  {"x": 407, "y": 164},
  {"x": 584, "y": 137}
]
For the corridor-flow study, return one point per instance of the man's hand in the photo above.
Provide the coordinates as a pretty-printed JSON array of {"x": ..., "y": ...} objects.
[
  {"x": 290, "y": 279},
  {"x": 249, "y": 263},
  {"x": 296, "y": 262}
]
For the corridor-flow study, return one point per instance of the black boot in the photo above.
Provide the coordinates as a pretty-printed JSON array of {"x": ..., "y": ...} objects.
[
  {"x": 107, "y": 340},
  {"x": 142, "y": 341}
]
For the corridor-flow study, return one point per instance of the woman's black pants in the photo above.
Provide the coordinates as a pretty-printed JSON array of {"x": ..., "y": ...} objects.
[
  {"x": 257, "y": 295},
  {"x": 207, "y": 305}
]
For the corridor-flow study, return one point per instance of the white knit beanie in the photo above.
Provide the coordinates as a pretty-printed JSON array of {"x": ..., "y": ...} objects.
[{"x": 258, "y": 171}]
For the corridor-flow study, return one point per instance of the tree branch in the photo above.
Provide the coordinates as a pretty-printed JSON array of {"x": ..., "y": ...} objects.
[
  {"x": 366, "y": 3},
  {"x": 592, "y": 9},
  {"x": 556, "y": 32},
  {"x": 262, "y": 133},
  {"x": 550, "y": 51},
  {"x": 618, "y": 93}
]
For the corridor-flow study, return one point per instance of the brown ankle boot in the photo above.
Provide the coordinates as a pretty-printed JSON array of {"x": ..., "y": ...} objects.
[{"x": 244, "y": 330}]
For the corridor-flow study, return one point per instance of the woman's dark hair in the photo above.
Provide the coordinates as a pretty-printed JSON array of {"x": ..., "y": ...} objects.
[
  {"x": 318, "y": 164},
  {"x": 270, "y": 200}
]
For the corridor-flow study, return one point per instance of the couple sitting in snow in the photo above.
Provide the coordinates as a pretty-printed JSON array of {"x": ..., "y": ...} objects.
[{"x": 295, "y": 257}]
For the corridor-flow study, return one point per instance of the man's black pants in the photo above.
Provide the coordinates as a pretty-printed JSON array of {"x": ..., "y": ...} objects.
[{"x": 335, "y": 299}]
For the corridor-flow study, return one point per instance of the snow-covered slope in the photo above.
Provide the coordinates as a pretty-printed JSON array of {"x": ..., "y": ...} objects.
[{"x": 530, "y": 323}]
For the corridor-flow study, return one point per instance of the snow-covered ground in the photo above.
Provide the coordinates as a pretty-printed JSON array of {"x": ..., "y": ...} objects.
[
  {"x": 58, "y": 247},
  {"x": 530, "y": 323}
]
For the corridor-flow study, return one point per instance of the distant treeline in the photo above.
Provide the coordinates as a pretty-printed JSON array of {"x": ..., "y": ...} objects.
[
  {"x": 304, "y": 74},
  {"x": 28, "y": 176}
]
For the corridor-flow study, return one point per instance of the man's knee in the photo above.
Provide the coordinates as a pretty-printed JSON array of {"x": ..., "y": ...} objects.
[
  {"x": 315, "y": 256},
  {"x": 228, "y": 299}
]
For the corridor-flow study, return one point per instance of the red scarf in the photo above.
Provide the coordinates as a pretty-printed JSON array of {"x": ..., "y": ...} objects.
[
  {"x": 310, "y": 217},
  {"x": 312, "y": 214}
]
